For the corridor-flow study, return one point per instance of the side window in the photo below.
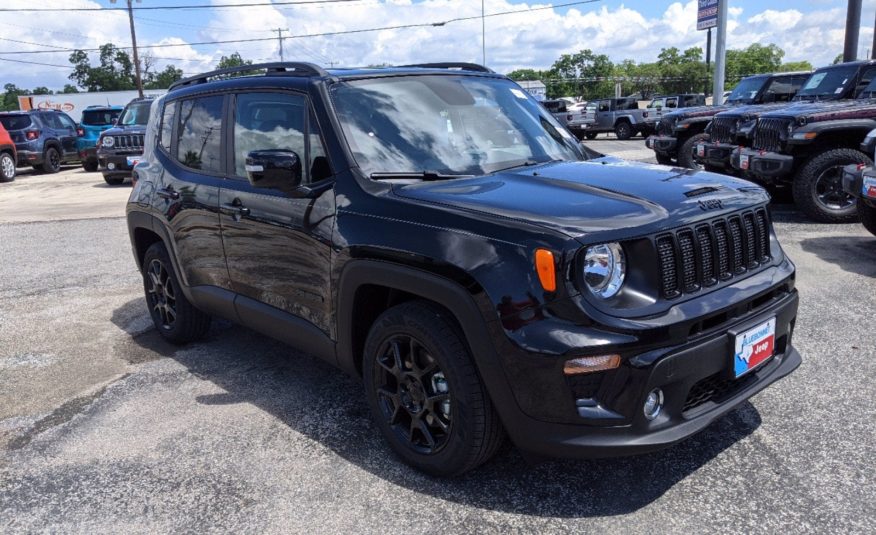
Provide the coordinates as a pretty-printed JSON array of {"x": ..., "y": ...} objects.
[
  {"x": 866, "y": 77},
  {"x": 603, "y": 106},
  {"x": 51, "y": 119},
  {"x": 167, "y": 125},
  {"x": 268, "y": 121},
  {"x": 672, "y": 103},
  {"x": 200, "y": 133},
  {"x": 318, "y": 162},
  {"x": 66, "y": 121}
]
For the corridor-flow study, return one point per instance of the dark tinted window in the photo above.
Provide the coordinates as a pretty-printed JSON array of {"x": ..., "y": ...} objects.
[
  {"x": 166, "y": 132},
  {"x": 268, "y": 121},
  {"x": 15, "y": 122},
  {"x": 99, "y": 117},
  {"x": 746, "y": 90},
  {"x": 200, "y": 133},
  {"x": 66, "y": 121},
  {"x": 866, "y": 85},
  {"x": 319, "y": 165}
]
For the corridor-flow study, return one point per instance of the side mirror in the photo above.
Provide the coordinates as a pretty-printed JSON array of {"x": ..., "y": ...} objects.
[
  {"x": 115, "y": 121},
  {"x": 274, "y": 169}
]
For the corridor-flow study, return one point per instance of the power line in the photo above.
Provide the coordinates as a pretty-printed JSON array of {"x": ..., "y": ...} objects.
[
  {"x": 156, "y": 8},
  {"x": 327, "y": 34},
  {"x": 37, "y": 63}
]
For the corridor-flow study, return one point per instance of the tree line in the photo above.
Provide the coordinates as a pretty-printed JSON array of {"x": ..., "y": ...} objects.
[{"x": 591, "y": 76}]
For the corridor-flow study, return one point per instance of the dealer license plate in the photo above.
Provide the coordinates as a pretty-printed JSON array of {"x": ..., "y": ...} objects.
[
  {"x": 133, "y": 160},
  {"x": 701, "y": 150},
  {"x": 754, "y": 347},
  {"x": 869, "y": 189},
  {"x": 743, "y": 162}
]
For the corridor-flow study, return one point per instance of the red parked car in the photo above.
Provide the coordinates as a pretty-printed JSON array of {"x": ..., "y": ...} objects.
[{"x": 8, "y": 157}]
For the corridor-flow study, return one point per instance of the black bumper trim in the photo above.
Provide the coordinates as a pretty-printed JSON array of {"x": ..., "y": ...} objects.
[{"x": 762, "y": 163}]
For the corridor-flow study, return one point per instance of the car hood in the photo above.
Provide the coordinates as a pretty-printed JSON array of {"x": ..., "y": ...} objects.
[
  {"x": 121, "y": 130},
  {"x": 753, "y": 111},
  {"x": 697, "y": 111},
  {"x": 607, "y": 195},
  {"x": 813, "y": 112}
]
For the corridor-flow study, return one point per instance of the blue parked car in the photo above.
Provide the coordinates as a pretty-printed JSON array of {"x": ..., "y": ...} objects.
[
  {"x": 95, "y": 121},
  {"x": 44, "y": 139}
]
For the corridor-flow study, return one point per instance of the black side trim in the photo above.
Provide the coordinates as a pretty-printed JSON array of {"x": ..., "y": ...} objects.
[
  {"x": 285, "y": 327},
  {"x": 214, "y": 300}
]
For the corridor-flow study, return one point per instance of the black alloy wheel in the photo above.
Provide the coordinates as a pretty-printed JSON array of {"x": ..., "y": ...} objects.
[
  {"x": 817, "y": 187},
  {"x": 413, "y": 394},
  {"x": 51, "y": 161},
  {"x": 161, "y": 295},
  {"x": 829, "y": 190}
]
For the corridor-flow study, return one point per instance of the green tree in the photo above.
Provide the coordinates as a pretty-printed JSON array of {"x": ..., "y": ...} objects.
[
  {"x": 838, "y": 59},
  {"x": 526, "y": 74},
  {"x": 582, "y": 74},
  {"x": 681, "y": 72},
  {"x": 70, "y": 88},
  {"x": 792, "y": 66},
  {"x": 235, "y": 60},
  {"x": 42, "y": 90},
  {"x": 756, "y": 59},
  {"x": 10, "y": 97},
  {"x": 162, "y": 79},
  {"x": 114, "y": 73}
]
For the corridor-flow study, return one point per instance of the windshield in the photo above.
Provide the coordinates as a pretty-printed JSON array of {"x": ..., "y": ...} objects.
[
  {"x": 746, "y": 90},
  {"x": 100, "y": 117},
  {"x": 136, "y": 113},
  {"x": 15, "y": 122},
  {"x": 828, "y": 82},
  {"x": 451, "y": 125}
]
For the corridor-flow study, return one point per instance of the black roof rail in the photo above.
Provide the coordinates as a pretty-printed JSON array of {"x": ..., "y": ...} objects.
[
  {"x": 451, "y": 65},
  {"x": 284, "y": 68}
]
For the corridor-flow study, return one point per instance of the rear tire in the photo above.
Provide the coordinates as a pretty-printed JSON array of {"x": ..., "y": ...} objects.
[
  {"x": 113, "y": 181},
  {"x": 90, "y": 165},
  {"x": 7, "y": 167},
  {"x": 663, "y": 159},
  {"x": 818, "y": 186},
  {"x": 425, "y": 393},
  {"x": 51, "y": 161},
  {"x": 177, "y": 320},
  {"x": 591, "y": 135},
  {"x": 686, "y": 151},
  {"x": 623, "y": 130},
  {"x": 868, "y": 216}
]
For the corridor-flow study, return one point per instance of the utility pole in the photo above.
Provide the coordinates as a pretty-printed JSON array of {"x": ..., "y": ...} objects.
[
  {"x": 853, "y": 28},
  {"x": 873, "y": 48},
  {"x": 280, "y": 39},
  {"x": 484, "y": 35},
  {"x": 134, "y": 44},
  {"x": 720, "y": 54},
  {"x": 708, "y": 61}
]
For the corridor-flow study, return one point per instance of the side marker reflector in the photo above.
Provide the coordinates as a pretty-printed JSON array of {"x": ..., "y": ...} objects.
[{"x": 547, "y": 272}]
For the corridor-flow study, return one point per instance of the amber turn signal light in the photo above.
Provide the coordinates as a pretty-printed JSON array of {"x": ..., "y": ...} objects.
[
  {"x": 598, "y": 363},
  {"x": 544, "y": 266}
]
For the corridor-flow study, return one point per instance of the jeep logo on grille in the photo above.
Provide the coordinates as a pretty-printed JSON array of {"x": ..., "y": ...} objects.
[{"x": 713, "y": 204}]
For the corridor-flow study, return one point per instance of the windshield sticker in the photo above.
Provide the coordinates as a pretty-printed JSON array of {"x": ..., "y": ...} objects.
[
  {"x": 518, "y": 93},
  {"x": 839, "y": 90},
  {"x": 815, "y": 80}
]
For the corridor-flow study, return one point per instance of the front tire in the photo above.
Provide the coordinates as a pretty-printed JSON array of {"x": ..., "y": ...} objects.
[
  {"x": 686, "y": 151},
  {"x": 176, "y": 319},
  {"x": 663, "y": 159},
  {"x": 51, "y": 161},
  {"x": 7, "y": 167},
  {"x": 425, "y": 393},
  {"x": 113, "y": 181},
  {"x": 623, "y": 130},
  {"x": 591, "y": 135},
  {"x": 868, "y": 216},
  {"x": 818, "y": 190},
  {"x": 90, "y": 165}
]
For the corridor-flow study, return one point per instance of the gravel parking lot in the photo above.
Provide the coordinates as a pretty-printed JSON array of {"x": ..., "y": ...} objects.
[{"x": 106, "y": 428}]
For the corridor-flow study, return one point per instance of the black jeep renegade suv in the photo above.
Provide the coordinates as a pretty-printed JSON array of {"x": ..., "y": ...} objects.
[{"x": 435, "y": 231}]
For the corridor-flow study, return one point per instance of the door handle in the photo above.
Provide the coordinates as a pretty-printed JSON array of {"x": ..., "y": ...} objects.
[
  {"x": 167, "y": 193},
  {"x": 237, "y": 207}
]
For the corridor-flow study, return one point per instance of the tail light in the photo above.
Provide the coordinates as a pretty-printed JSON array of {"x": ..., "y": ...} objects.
[
  {"x": 30, "y": 135},
  {"x": 80, "y": 132}
]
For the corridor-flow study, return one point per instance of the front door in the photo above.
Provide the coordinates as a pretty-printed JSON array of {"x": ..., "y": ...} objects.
[
  {"x": 603, "y": 115},
  {"x": 65, "y": 128},
  {"x": 277, "y": 243}
]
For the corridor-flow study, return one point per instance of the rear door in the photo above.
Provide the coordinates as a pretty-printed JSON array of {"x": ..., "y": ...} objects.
[
  {"x": 67, "y": 135},
  {"x": 277, "y": 243},
  {"x": 604, "y": 116}
]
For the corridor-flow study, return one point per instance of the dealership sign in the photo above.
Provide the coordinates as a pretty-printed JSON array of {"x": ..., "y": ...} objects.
[{"x": 707, "y": 14}]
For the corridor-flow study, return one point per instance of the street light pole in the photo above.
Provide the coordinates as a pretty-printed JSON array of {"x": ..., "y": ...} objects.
[
  {"x": 853, "y": 28},
  {"x": 720, "y": 54}
]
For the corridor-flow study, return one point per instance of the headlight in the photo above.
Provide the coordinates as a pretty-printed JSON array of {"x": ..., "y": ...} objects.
[
  {"x": 604, "y": 269},
  {"x": 108, "y": 141}
]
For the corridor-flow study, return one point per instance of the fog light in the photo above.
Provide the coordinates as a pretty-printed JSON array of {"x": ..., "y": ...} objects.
[
  {"x": 591, "y": 364},
  {"x": 653, "y": 404},
  {"x": 110, "y": 166}
]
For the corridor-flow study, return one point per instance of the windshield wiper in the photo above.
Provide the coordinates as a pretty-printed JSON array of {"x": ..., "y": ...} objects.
[
  {"x": 527, "y": 163},
  {"x": 422, "y": 175}
]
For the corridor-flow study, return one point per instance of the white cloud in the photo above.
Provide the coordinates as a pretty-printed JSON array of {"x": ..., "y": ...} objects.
[{"x": 530, "y": 39}]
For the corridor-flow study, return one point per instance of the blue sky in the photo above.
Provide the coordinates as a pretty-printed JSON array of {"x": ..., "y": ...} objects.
[{"x": 637, "y": 29}]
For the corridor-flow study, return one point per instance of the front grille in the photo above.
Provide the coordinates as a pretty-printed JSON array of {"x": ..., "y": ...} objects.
[
  {"x": 769, "y": 133},
  {"x": 723, "y": 130},
  {"x": 713, "y": 388},
  {"x": 695, "y": 257},
  {"x": 128, "y": 141}
]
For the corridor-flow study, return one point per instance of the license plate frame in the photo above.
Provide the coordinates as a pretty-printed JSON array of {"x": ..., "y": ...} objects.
[
  {"x": 701, "y": 150},
  {"x": 133, "y": 160},
  {"x": 754, "y": 347},
  {"x": 868, "y": 187},
  {"x": 744, "y": 162}
]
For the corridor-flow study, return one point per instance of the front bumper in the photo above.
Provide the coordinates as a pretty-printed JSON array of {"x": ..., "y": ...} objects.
[
  {"x": 663, "y": 144},
  {"x": 714, "y": 154},
  {"x": 601, "y": 414},
  {"x": 115, "y": 164},
  {"x": 762, "y": 163},
  {"x": 860, "y": 183}
]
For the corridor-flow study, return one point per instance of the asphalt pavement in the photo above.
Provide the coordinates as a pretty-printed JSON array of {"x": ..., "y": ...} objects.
[{"x": 106, "y": 428}]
